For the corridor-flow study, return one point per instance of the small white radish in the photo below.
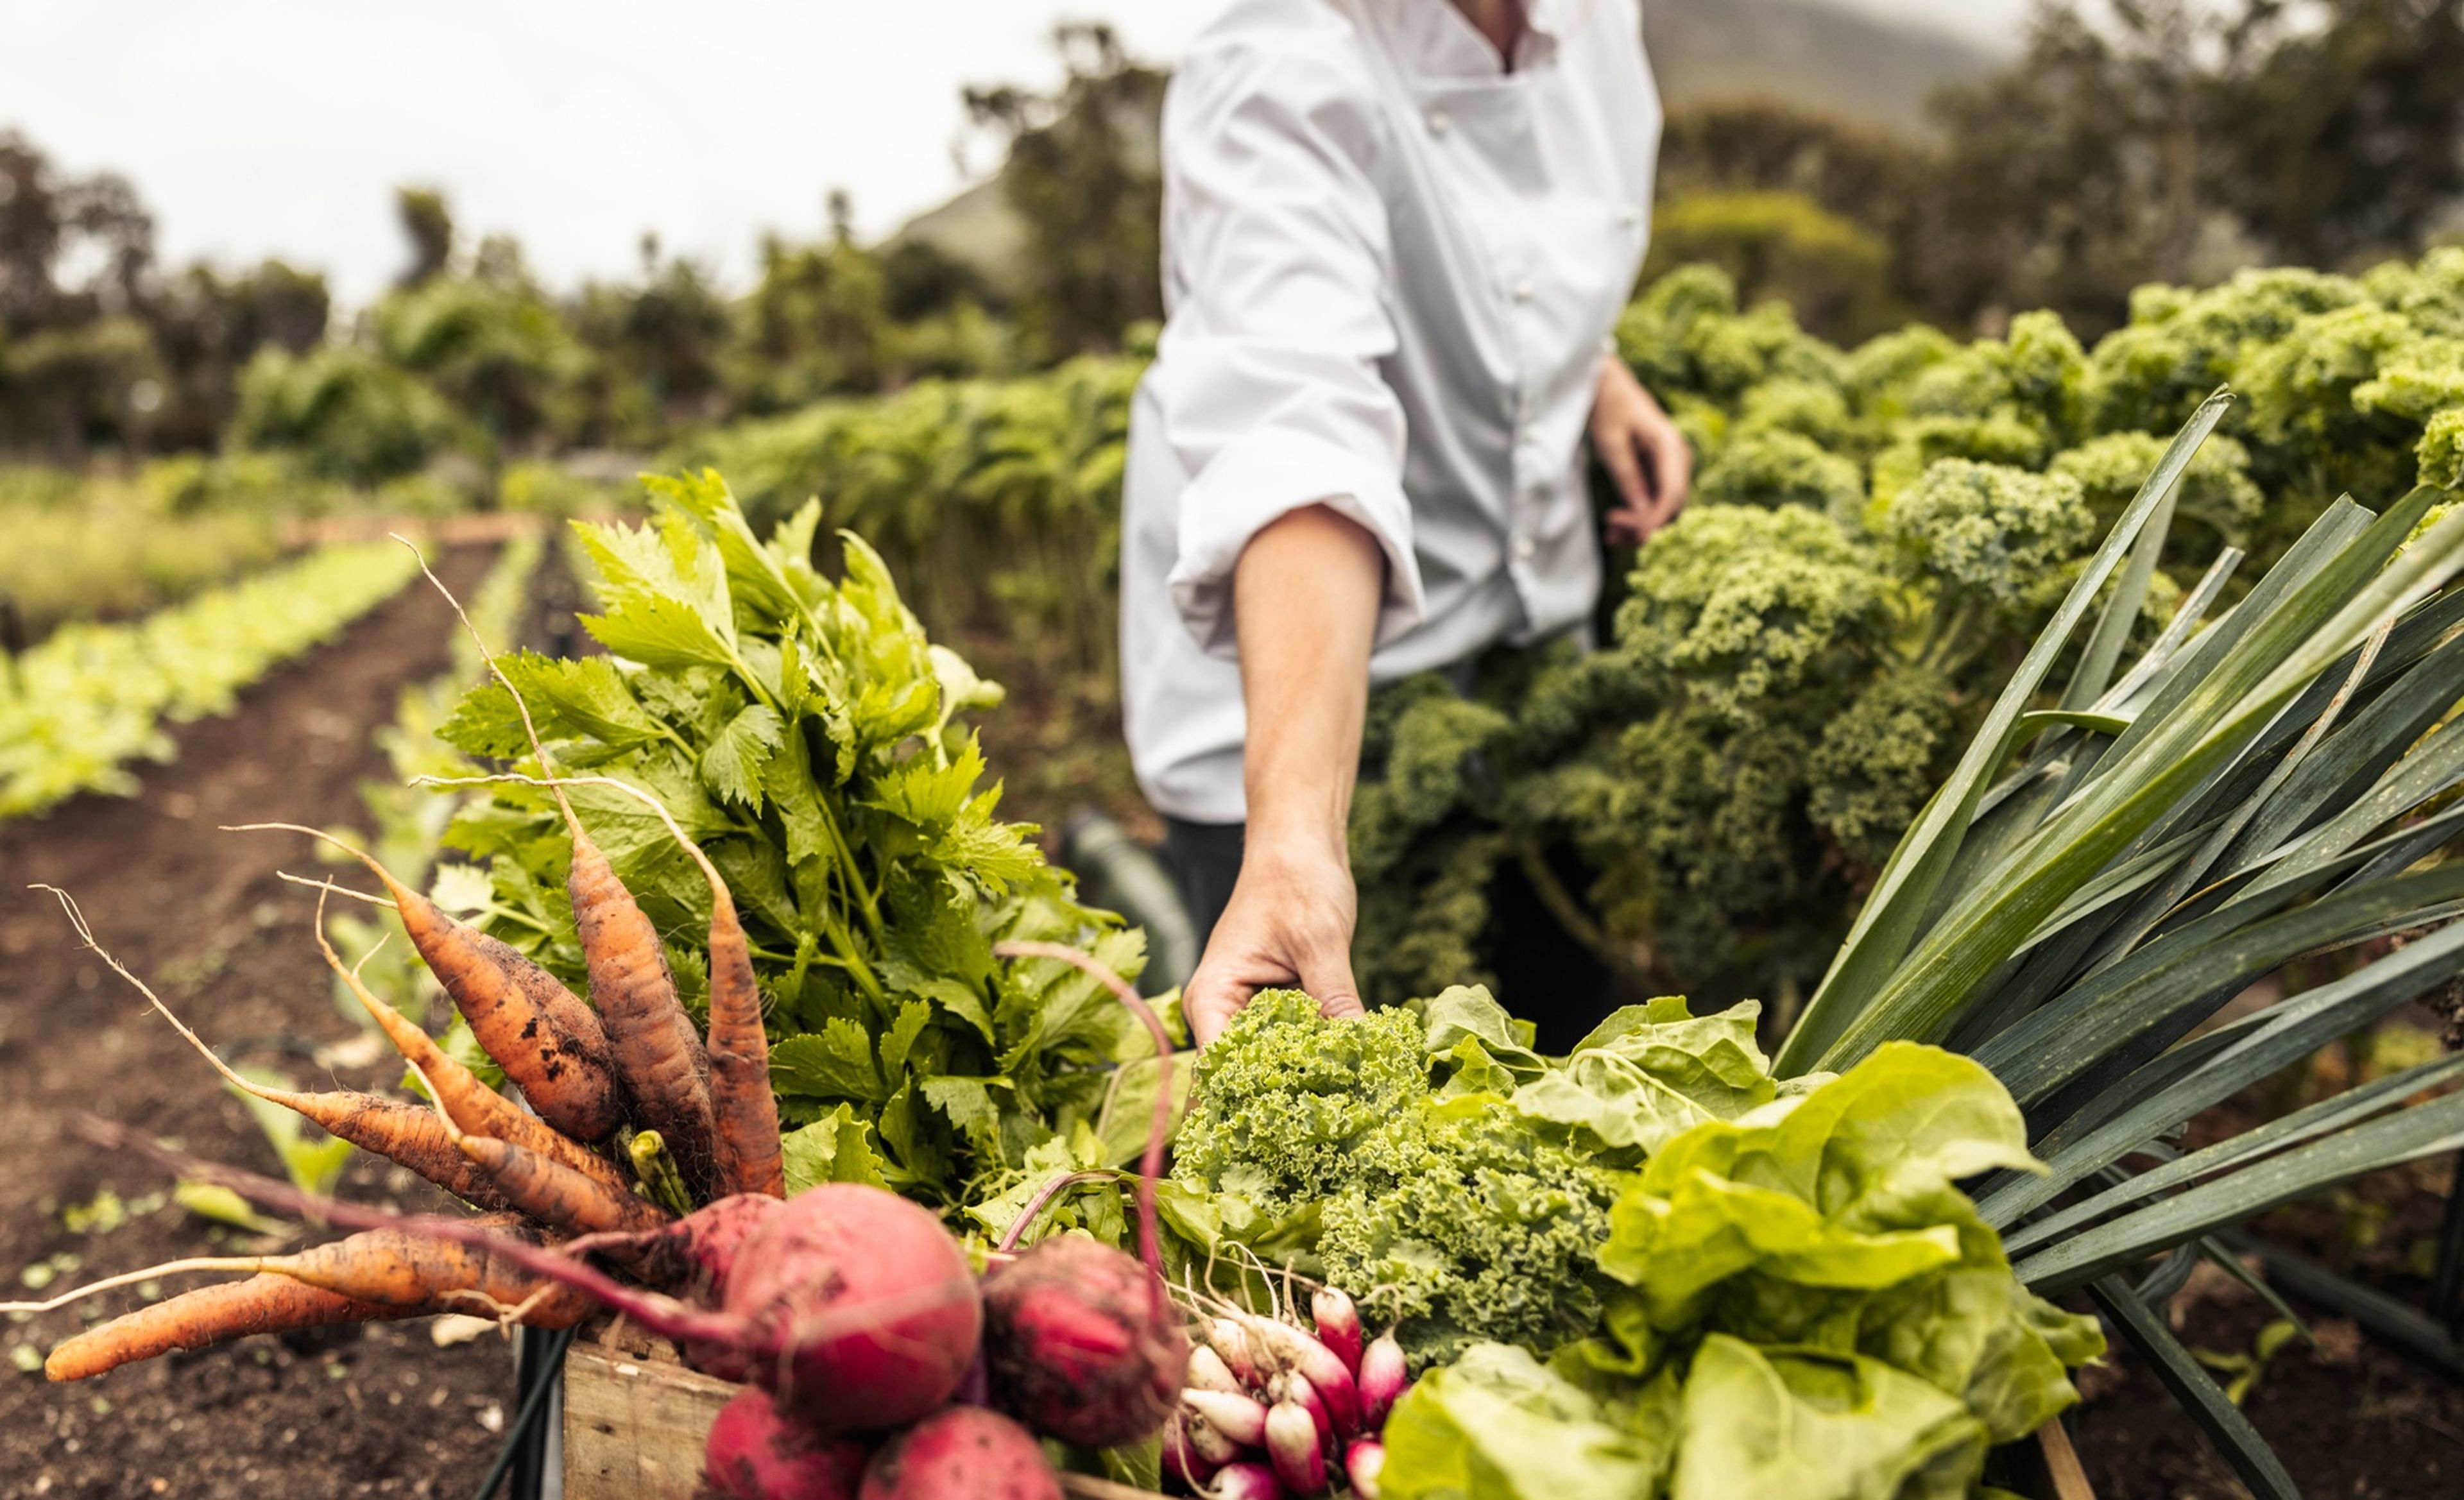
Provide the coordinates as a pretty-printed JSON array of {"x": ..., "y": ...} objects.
[
  {"x": 1384, "y": 1377},
  {"x": 1292, "y": 1448},
  {"x": 1362, "y": 1462},
  {"x": 1206, "y": 1440},
  {"x": 1238, "y": 1417},
  {"x": 1338, "y": 1325},
  {"x": 1293, "y": 1350},
  {"x": 1246, "y": 1481},
  {"x": 1207, "y": 1372},
  {"x": 1181, "y": 1459},
  {"x": 1238, "y": 1350}
]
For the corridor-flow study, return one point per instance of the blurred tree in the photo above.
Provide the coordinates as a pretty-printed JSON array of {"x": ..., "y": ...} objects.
[
  {"x": 1784, "y": 246},
  {"x": 655, "y": 352},
  {"x": 428, "y": 223},
  {"x": 816, "y": 325},
  {"x": 1084, "y": 172},
  {"x": 2337, "y": 124},
  {"x": 208, "y": 328}
]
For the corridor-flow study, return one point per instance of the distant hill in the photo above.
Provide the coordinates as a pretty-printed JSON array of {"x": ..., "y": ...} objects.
[{"x": 1807, "y": 52}]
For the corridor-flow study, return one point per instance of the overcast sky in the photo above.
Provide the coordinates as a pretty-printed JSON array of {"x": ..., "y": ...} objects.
[{"x": 278, "y": 127}]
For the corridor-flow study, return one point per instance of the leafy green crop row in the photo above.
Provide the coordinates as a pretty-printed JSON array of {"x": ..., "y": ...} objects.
[{"x": 75, "y": 709}]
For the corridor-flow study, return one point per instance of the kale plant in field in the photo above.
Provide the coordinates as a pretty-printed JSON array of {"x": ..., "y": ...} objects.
[
  {"x": 808, "y": 733},
  {"x": 1877, "y": 535}
]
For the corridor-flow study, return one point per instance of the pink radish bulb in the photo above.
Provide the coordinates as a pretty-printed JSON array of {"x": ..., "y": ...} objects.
[
  {"x": 1181, "y": 1459},
  {"x": 1293, "y": 1350},
  {"x": 1083, "y": 1343},
  {"x": 1338, "y": 1325},
  {"x": 1293, "y": 1448},
  {"x": 1240, "y": 1418},
  {"x": 1239, "y": 1351},
  {"x": 1293, "y": 1386},
  {"x": 753, "y": 1454},
  {"x": 1384, "y": 1376},
  {"x": 1247, "y": 1482},
  {"x": 1207, "y": 1372},
  {"x": 961, "y": 1453},
  {"x": 1362, "y": 1462}
]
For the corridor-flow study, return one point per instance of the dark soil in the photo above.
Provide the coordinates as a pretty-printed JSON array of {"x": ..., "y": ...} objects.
[{"x": 201, "y": 914}]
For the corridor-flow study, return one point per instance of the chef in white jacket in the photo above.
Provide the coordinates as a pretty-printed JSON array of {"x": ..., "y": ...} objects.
[{"x": 1397, "y": 236}]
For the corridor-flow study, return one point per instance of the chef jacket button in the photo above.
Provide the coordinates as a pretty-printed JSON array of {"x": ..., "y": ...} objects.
[
  {"x": 1438, "y": 122},
  {"x": 1522, "y": 292},
  {"x": 1523, "y": 547}
]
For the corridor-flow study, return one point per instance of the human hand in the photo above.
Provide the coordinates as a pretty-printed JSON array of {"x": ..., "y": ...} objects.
[
  {"x": 1643, "y": 451},
  {"x": 1289, "y": 923}
]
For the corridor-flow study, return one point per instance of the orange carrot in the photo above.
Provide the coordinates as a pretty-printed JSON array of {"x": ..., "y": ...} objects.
[
  {"x": 262, "y": 1304},
  {"x": 557, "y": 1195},
  {"x": 657, "y": 1055},
  {"x": 744, "y": 1111},
  {"x": 469, "y": 1103},
  {"x": 750, "y": 1157},
  {"x": 549, "y": 1042},
  {"x": 400, "y": 1132}
]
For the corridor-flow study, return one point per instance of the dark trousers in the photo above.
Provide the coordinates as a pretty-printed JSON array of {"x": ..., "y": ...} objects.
[{"x": 1544, "y": 974}]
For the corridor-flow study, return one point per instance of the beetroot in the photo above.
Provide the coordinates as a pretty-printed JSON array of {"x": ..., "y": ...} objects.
[
  {"x": 961, "y": 1453},
  {"x": 1082, "y": 1343},
  {"x": 754, "y": 1454}
]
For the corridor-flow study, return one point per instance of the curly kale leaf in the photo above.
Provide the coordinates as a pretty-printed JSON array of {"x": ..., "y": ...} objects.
[
  {"x": 1877, "y": 763},
  {"x": 1775, "y": 467},
  {"x": 1997, "y": 531},
  {"x": 1734, "y": 605}
]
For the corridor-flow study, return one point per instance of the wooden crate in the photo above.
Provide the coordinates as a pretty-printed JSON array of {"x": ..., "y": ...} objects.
[{"x": 635, "y": 1418}]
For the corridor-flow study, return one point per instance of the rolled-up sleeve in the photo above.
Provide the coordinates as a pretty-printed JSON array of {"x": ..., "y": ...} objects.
[{"x": 1267, "y": 380}]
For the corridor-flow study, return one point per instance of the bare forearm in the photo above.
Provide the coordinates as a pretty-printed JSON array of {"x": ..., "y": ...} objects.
[{"x": 1306, "y": 596}]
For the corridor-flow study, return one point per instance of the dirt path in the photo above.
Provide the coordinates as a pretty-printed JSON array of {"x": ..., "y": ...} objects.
[{"x": 201, "y": 913}]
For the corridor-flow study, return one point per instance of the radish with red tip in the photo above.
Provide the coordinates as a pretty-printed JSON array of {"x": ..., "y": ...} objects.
[
  {"x": 1293, "y": 1386},
  {"x": 1362, "y": 1462},
  {"x": 961, "y": 1453},
  {"x": 1239, "y": 1351},
  {"x": 754, "y": 1454},
  {"x": 1296, "y": 1351},
  {"x": 1181, "y": 1459},
  {"x": 1384, "y": 1377},
  {"x": 1293, "y": 1448},
  {"x": 1338, "y": 1325},
  {"x": 1247, "y": 1482}
]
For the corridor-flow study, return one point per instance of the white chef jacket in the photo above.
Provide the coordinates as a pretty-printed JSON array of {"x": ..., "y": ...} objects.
[{"x": 1391, "y": 267}]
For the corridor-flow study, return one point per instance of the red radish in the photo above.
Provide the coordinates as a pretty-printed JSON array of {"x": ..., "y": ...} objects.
[
  {"x": 1205, "y": 1439},
  {"x": 1240, "y": 1418},
  {"x": 1294, "y": 1387},
  {"x": 1338, "y": 1325},
  {"x": 1207, "y": 1372},
  {"x": 1384, "y": 1376},
  {"x": 1075, "y": 1348},
  {"x": 1293, "y": 1448},
  {"x": 1181, "y": 1459},
  {"x": 961, "y": 1453},
  {"x": 1293, "y": 1350},
  {"x": 754, "y": 1454},
  {"x": 1362, "y": 1462},
  {"x": 1247, "y": 1482}
]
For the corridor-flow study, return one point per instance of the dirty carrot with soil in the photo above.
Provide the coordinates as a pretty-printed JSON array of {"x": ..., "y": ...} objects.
[
  {"x": 468, "y": 1102},
  {"x": 552, "y": 1046}
]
